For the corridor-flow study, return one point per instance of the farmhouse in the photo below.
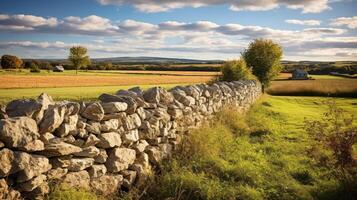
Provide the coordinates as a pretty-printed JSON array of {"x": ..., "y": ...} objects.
[
  {"x": 300, "y": 74},
  {"x": 58, "y": 68}
]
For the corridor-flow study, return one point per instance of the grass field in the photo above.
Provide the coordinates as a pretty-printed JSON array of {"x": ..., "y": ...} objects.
[{"x": 260, "y": 156}]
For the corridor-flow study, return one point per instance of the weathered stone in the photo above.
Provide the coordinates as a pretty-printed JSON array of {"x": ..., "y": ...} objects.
[
  {"x": 38, "y": 193},
  {"x": 137, "y": 91},
  {"x": 120, "y": 159},
  {"x": 72, "y": 108},
  {"x": 60, "y": 149},
  {"x": 107, "y": 185},
  {"x": 141, "y": 112},
  {"x": 79, "y": 179},
  {"x": 155, "y": 155},
  {"x": 93, "y": 127},
  {"x": 96, "y": 171},
  {"x": 130, "y": 137},
  {"x": 1, "y": 144},
  {"x": 7, "y": 193},
  {"x": 110, "y": 125},
  {"x": 94, "y": 112},
  {"x": 157, "y": 95},
  {"x": 183, "y": 98},
  {"x": 69, "y": 127},
  {"x": 131, "y": 122},
  {"x": 30, "y": 166},
  {"x": 120, "y": 116},
  {"x": 7, "y": 159},
  {"x": 91, "y": 141},
  {"x": 132, "y": 105},
  {"x": 56, "y": 174},
  {"x": 22, "y": 107},
  {"x": 35, "y": 145},
  {"x": 175, "y": 113},
  {"x": 30, "y": 185},
  {"x": 52, "y": 119},
  {"x": 47, "y": 137},
  {"x": 101, "y": 157},
  {"x": 114, "y": 107},
  {"x": 60, "y": 162},
  {"x": 17, "y": 132},
  {"x": 109, "y": 140},
  {"x": 141, "y": 146},
  {"x": 90, "y": 152},
  {"x": 78, "y": 164},
  {"x": 129, "y": 178}
]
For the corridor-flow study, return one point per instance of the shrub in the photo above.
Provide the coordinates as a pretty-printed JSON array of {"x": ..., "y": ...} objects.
[
  {"x": 10, "y": 62},
  {"x": 67, "y": 193},
  {"x": 235, "y": 70},
  {"x": 264, "y": 56}
]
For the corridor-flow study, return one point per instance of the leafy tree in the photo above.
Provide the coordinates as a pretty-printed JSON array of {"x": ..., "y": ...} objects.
[
  {"x": 78, "y": 57},
  {"x": 235, "y": 70},
  {"x": 264, "y": 56},
  {"x": 10, "y": 62}
]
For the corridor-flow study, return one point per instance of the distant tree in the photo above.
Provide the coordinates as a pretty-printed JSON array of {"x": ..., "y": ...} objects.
[
  {"x": 10, "y": 62},
  {"x": 264, "y": 57},
  {"x": 235, "y": 70},
  {"x": 108, "y": 66},
  {"x": 78, "y": 57}
]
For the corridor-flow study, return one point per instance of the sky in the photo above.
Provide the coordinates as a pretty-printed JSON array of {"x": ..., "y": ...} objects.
[{"x": 315, "y": 30}]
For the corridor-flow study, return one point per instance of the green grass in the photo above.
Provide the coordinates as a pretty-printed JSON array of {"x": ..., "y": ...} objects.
[
  {"x": 67, "y": 93},
  {"x": 260, "y": 156}
]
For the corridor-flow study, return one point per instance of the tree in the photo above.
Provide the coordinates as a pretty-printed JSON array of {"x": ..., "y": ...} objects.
[
  {"x": 78, "y": 57},
  {"x": 235, "y": 70},
  {"x": 264, "y": 56},
  {"x": 10, "y": 62}
]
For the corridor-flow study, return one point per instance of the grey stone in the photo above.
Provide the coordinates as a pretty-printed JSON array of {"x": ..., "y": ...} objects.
[
  {"x": 119, "y": 159},
  {"x": 52, "y": 119},
  {"x": 56, "y": 174},
  {"x": 114, "y": 107},
  {"x": 17, "y": 132},
  {"x": 130, "y": 137},
  {"x": 109, "y": 125},
  {"x": 79, "y": 179},
  {"x": 91, "y": 141},
  {"x": 60, "y": 149},
  {"x": 94, "y": 112},
  {"x": 90, "y": 152},
  {"x": 101, "y": 157},
  {"x": 107, "y": 185},
  {"x": 96, "y": 171},
  {"x": 93, "y": 127},
  {"x": 78, "y": 164},
  {"x": 30, "y": 185}
]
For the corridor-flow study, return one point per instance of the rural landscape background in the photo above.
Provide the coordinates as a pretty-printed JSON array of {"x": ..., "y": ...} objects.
[{"x": 289, "y": 145}]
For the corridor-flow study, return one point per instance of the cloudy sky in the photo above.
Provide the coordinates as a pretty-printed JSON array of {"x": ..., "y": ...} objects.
[{"x": 202, "y": 29}]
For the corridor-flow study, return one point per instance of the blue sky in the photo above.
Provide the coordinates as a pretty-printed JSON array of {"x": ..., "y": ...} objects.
[{"x": 202, "y": 29}]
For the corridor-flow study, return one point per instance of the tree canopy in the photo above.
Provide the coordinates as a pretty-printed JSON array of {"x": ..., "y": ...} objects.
[
  {"x": 235, "y": 70},
  {"x": 78, "y": 57},
  {"x": 264, "y": 57},
  {"x": 10, "y": 62}
]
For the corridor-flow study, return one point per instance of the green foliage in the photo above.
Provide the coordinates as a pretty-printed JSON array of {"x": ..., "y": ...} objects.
[
  {"x": 10, "y": 62},
  {"x": 68, "y": 193},
  {"x": 264, "y": 57},
  {"x": 78, "y": 57},
  {"x": 34, "y": 68},
  {"x": 235, "y": 70}
]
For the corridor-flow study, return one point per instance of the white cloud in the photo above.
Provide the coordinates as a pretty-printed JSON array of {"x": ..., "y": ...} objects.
[
  {"x": 350, "y": 22},
  {"x": 25, "y": 22},
  {"x": 303, "y": 22},
  {"x": 307, "y": 6}
]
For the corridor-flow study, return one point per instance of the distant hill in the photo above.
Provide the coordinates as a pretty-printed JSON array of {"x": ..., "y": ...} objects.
[{"x": 143, "y": 60}]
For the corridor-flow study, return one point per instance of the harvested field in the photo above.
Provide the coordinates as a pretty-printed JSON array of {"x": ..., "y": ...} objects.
[
  {"x": 320, "y": 87},
  {"x": 118, "y": 78}
]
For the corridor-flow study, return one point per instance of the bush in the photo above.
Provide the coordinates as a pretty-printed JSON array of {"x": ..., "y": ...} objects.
[
  {"x": 10, "y": 62},
  {"x": 235, "y": 70},
  {"x": 67, "y": 193}
]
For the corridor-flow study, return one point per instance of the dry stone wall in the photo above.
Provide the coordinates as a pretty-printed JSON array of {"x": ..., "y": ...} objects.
[{"x": 107, "y": 145}]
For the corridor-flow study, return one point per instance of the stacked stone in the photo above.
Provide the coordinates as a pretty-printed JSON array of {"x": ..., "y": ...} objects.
[{"x": 106, "y": 145}]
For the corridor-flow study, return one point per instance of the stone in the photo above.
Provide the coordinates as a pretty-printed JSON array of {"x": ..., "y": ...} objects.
[
  {"x": 114, "y": 107},
  {"x": 107, "y": 185},
  {"x": 18, "y": 132},
  {"x": 93, "y": 127},
  {"x": 109, "y": 125},
  {"x": 7, "y": 159},
  {"x": 7, "y": 193},
  {"x": 120, "y": 159},
  {"x": 175, "y": 113},
  {"x": 155, "y": 155},
  {"x": 132, "y": 104},
  {"x": 109, "y": 140},
  {"x": 91, "y": 140},
  {"x": 22, "y": 107},
  {"x": 137, "y": 91},
  {"x": 96, "y": 171},
  {"x": 94, "y": 112},
  {"x": 131, "y": 122},
  {"x": 79, "y": 179},
  {"x": 30, "y": 166},
  {"x": 101, "y": 157},
  {"x": 129, "y": 178},
  {"x": 38, "y": 193},
  {"x": 90, "y": 152},
  {"x": 30, "y": 185},
  {"x": 183, "y": 98},
  {"x": 47, "y": 137},
  {"x": 120, "y": 116},
  {"x": 35, "y": 145},
  {"x": 141, "y": 112},
  {"x": 72, "y": 108},
  {"x": 141, "y": 146},
  {"x": 60, "y": 149},
  {"x": 52, "y": 119},
  {"x": 60, "y": 162},
  {"x": 130, "y": 137},
  {"x": 1, "y": 144},
  {"x": 158, "y": 95},
  {"x": 78, "y": 164},
  {"x": 56, "y": 174},
  {"x": 69, "y": 127}
]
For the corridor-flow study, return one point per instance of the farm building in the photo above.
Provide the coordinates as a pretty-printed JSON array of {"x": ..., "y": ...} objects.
[
  {"x": 58, "y": 68},
  {"x": 300, "y": 74}
]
